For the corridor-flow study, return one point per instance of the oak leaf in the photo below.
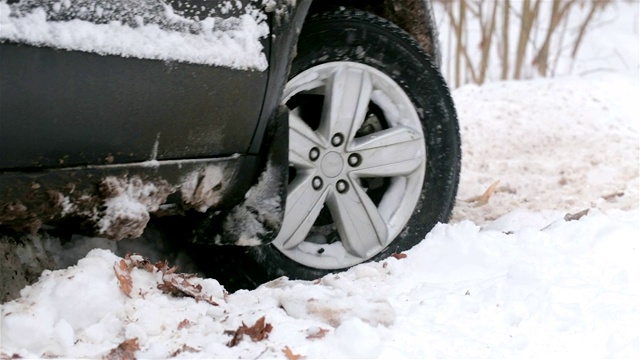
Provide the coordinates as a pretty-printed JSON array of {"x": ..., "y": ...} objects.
[
  {"x": 171, "y": 282},
  {"x": 179, "y": 285},
  {"x": 258, "y": 332},
  {"x": 123, "y": 274},
  {"x": 399, "y": 255}
]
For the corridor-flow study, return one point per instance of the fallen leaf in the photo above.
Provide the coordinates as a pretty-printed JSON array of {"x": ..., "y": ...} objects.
[
  {"x": 399, "y": 255},
  {"x": 290, "y": 355},
  {"x": 184, "y": 324},
  {"x": 184, "y": 348},
  {"x": 484, "y": 198},
  {"x": 179, "y": 285},
  {"x": 258, "y": 332},
  {"x": 236, "y": 338},
  {"x": 125, "y": 351},
  {"x": 318, "y": 334},
  {"x": 576, "y": 216},
  {"x": 612, "y": 196},
  {"x": 4, "y": 356},
  {"x": 172, "y": 283},
  {"x": 123, "y": 274}
]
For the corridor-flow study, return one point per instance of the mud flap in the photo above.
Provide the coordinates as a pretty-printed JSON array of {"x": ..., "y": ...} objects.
[{"x": 258, "y": 218}]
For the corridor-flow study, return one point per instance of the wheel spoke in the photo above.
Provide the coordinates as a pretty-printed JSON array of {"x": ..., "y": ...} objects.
[
  {"x": 361, "y": 227},
  {"x": 392, "y": 152},
  {"x": 346, "y": 101},
  {"x": 303, "y": 206},
  {"x": 301, "y": 139}
]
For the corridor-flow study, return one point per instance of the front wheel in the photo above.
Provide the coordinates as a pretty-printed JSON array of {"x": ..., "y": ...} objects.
[{"x": 374, "y": 147}]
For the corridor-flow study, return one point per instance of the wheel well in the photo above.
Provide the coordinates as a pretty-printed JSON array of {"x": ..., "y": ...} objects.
[{"x": 414, "y": 16}]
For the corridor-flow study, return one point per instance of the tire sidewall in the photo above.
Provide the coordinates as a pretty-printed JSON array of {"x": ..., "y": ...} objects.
[{"x": 367, "y": 39}]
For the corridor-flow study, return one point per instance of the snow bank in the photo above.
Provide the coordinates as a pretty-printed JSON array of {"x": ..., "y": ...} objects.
[
  {"x": 555, "y": 145},
  {"x": 570, "y": 289}
]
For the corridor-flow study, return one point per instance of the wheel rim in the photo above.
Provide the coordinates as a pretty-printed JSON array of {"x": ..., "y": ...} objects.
[{"x": 336, "y": 157}]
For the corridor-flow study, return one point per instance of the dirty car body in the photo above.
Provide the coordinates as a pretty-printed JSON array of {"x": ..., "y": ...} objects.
[
  {"x": 232, "y": 113},
  {"x": 81, "y": 133}
]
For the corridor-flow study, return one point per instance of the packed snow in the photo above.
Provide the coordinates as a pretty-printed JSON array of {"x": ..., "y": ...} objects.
[
  {"x": 544, "y": 266},
  {"x": 159, "y": 34}
]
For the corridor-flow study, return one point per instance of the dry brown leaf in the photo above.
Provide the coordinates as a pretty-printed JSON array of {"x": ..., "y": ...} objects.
[
  {"x": 484, "y": 198},
  {"x": 258, "y": 332},
  {"x": 172, "y": 283},
  {"x": 184, "y": 324},
  {"x": 125, "y": 351},
  {"x": 399, "y": 255},
  {"x": 236, "y": 338},
  {"x": 290, "y": 355},
  {"x": 319, "y": 334},
  {"x": 4, "y": 356},
  {"x": 184, "y": 348},
  {"x": 614, "y": 195},
  {"x": 179, "y": 285},
  {"x": 576, "y": 216},
  {"x": 123, "y": 274}
]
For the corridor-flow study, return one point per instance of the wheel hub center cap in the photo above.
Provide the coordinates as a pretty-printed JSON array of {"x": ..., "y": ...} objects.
[{"x": 332, "y": 164}]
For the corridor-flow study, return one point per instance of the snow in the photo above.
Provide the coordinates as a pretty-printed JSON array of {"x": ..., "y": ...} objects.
[
  {"x": 232, "y": 42},
  {"x": 514, "y": 278},
  {"x": 571, "y": 289},
  {"x": 576, "y": 140},
  {"x": 127, "y": 206}
]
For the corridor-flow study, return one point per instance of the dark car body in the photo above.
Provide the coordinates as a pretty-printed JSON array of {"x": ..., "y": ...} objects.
[{"x": 82, "y": 132}]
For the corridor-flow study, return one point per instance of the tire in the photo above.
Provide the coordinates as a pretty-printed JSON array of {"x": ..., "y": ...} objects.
[{"x": 386, "y": 181}]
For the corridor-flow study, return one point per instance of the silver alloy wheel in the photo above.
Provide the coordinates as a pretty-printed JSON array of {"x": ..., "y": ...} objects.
[{"x": 331, "y": 161}]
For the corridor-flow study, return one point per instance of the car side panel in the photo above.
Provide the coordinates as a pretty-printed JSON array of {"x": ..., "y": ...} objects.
[
  {"x": 61, "y": 108},
  {"x": 69, "y": 108}
]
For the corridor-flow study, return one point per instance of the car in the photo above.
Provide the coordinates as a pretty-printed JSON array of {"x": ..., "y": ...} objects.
[{"x": 316, "y": 135}]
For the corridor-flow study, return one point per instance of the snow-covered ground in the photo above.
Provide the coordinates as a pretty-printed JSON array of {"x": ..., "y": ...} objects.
[
  {"x": 515, "y": 278},
  {"x": 527, "y": 284}
]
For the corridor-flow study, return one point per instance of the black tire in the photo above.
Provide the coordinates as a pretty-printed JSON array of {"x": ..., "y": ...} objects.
[{"x": 359, "y": 37}]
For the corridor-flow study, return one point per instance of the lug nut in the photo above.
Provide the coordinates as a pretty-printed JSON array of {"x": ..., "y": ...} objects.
[
  {"x": 314, "y": 154},
  {"x": 354, "y": 160},
  {"x": 316, "y": 183},
  {"x": 337, "y": 139},
  {"x": 342, "y": 186}
]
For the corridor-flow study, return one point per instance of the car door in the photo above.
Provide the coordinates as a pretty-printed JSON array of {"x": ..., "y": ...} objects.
[{"x": 87, "y": 82}]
